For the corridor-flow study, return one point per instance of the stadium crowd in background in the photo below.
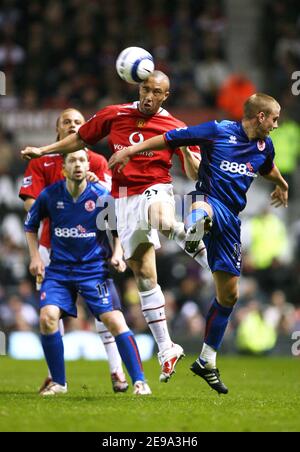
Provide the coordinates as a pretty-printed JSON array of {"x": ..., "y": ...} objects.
[{"x": 50, "y": 65}]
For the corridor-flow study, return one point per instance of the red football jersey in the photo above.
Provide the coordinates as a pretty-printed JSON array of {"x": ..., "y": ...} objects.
[
  {"x": 47, "y": 170},
  {"x": 125, "y": 125}
]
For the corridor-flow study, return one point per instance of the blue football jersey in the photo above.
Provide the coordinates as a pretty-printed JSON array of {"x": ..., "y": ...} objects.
[
  {"x": 75, "y": 236},
  {"x": 230, "y": 161}
]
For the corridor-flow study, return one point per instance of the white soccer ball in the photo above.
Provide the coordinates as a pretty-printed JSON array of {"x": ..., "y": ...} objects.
[{"x": 134, "y": 64}]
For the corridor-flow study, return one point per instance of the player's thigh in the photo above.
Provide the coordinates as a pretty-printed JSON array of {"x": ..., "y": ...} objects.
[
  {"x": 143, "y": 265},
  {"x": 100, "y": 295},
  {"x": 114, "y": 322},
  {"x": 226, "y": 288},
  {"x": 162, "y": 216},
  {"x": 61, "y": 294}
]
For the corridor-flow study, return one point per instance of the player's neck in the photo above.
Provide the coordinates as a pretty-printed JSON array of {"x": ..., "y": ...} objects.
[
  {"x": 75, "y": 188},
  {"x": 250, "y": 129}
]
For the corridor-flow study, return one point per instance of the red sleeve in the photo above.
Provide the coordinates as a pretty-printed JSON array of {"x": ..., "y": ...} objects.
[
  {"x": 99, "y": 166},
  {"x": 98, "y": 126},
  {"x": 33, "y": 181}
]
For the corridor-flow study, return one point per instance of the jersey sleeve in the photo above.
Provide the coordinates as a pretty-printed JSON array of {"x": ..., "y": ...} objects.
[
  {"x": 268, "y": 164},
  {"x": 33, "y": 181},
  {"x": 37, "y": 213},
  {"x": 98, "y": 126},
  {"x": 187, "y": 136}
]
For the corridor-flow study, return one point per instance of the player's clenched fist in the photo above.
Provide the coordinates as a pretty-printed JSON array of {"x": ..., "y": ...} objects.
[{"x": 31, "y": 153}]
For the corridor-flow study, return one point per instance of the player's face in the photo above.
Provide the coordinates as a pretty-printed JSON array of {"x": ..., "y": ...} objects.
[
  {"x": 69, "y": 122},
  {"x": 76, "y": 166},
  {"x": 268, "y": 123},
  {"x": 153, "y": 92}
]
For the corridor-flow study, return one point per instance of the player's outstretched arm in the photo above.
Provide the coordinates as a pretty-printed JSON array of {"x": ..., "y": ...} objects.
[
  {"x": 69, "y": 144},
  {"x": 122, "y": 157},
  {"x": 36, "y": 266},
  {"x": 280, "y": 195}
]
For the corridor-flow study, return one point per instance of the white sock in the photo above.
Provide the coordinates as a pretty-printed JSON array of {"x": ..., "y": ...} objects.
[
  {"x": 153, "y": 307},
  {"x": 108, "y": 340},
  {"x": 209, "y": 355},
  {"x": 179, "y": 236}
]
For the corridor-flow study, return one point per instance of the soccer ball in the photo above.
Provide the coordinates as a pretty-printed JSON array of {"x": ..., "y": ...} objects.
[{"x": 134, "y": 64}]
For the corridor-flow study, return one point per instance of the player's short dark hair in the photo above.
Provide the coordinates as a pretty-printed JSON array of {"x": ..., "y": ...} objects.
[
  {"x": 259, "y": 102},
  {"x": 64, "y": 156}
]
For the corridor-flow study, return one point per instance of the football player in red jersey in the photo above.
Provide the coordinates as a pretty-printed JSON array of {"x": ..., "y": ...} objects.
[
  {"x": 144, "y": 195},
  {"x": 46, "y": 171}
]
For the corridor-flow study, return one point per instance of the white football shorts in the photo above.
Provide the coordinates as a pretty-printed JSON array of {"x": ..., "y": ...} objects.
[{"x": 132, "y": 217}]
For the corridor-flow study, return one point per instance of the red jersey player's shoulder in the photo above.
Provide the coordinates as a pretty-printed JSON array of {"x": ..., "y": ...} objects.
[
  {"x": 167, "y": 121},
  {"x": 44, "y": 161}
]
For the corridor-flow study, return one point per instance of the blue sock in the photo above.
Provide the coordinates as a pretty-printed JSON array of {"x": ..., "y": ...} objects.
[
  {"x": 216, "y": 323},
  {"x": 130, "y": 355},
  {"x": 193, "y": 216},
  {"x": 54, "y": 352}
]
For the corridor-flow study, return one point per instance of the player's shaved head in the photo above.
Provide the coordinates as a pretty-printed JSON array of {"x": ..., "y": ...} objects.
[
  {"x": 259, "y": 102},
  {"x": 160, "y": 77}
]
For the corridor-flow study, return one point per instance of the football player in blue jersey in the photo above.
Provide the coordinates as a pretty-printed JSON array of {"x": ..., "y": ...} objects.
[
  {"x": 79, "y": 265},
  {"x": 232, "y": 155}
]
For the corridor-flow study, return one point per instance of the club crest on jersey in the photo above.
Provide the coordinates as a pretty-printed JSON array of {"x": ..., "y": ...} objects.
[
  {"x": 90, "y": 205},
  {"x": 232, "y": 139},
  {"x": 140, "y": 123},
  {"x": 261, "y": 145},
  {"x": 43, "y": 296}
]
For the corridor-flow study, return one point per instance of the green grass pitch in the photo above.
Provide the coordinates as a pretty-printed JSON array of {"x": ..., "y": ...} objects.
[{"x": 264, "y": 395}]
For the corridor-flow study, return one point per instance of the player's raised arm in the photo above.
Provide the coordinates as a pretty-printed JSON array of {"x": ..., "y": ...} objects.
[{"x": 69, "y": 144}]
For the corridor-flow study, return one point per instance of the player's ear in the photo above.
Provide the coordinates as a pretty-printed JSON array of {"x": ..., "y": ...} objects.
[
  {"x": 166, "y": 95},
  {"x": 261, "y": 116}
]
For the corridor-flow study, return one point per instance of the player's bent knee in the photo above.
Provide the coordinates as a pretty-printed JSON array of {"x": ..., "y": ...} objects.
[
  {"x": 48, "y": 323},
  {"x": 114, "y": 322},
  {"x": 229, "y": 300}
]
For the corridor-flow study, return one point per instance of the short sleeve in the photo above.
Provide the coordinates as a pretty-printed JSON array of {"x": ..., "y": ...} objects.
[
  {"x": 268, "y": 164},
  {"x": 98, "y": 126},
  {"x": 37, "y": 213},
  {"x": 187, "y": 136},
  {"x": 33, "y": 181}
]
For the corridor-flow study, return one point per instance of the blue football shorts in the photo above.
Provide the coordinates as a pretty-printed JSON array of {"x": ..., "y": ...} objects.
[
  {"x": 223, "y": 242},
  {"x": 100, "y": 295}
]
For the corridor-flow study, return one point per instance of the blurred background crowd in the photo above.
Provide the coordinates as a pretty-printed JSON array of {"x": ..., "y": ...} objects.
[{"x": 57, "y": 54}]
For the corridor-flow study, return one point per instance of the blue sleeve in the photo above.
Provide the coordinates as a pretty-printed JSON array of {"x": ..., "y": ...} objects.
[
  {"x": 268, "y": 165},
  {"x": 37, "y": 213},
  {"x": 187, "y": 136}
]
